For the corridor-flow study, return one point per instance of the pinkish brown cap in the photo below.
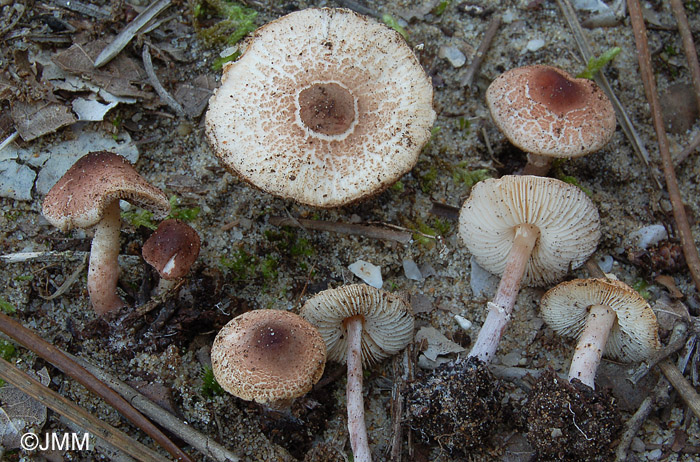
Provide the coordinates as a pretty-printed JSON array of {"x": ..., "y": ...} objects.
[
  {"x": 634, "y": 336},
  {"x": 172, "y": 249},
  {"x": 565, "y": 216},
  {"x": 325, "y": 107},
  {"x": 268, "y": 356},
  {"x": 387, "y": 320},
  {"x": 544, "y": 110},
  {"x": 80, "y": 197}
]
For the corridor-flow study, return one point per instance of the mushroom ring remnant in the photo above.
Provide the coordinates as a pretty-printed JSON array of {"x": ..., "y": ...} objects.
[
  {"x": 268, "y": 356},
  {"x": 325, "y": 107}
]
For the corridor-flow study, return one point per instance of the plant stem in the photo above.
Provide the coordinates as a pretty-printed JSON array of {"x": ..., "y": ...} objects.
[
  {"x": 357, "y": 429},
  {"x": 590, "y": 346},
  {"x": 501, "y": 307}
]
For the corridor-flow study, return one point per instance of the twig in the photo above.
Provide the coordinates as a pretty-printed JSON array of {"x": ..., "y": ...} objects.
[
  {"x": 687, "y": 393},
  {"x": 153, "y": 78},
  {"x": 657, "y": 399},
  {"x": 374, "y": 232},
  {"x": 110, "y": 451},
  {"x": 490, "y": 33},
  {"x": 397, "y": 404},
  {"x": 691, "y": 55},
  {"x": 83, "y": 8},
  {"x": 602, "y": 81},
  {"x": 130, "y": 31},
  {"x": 50, "y": 353},
  {"x": 76, "y": 414},
  {"x": 187, "y": 433},
  {"x": 68, "y": 282},
  {"x": 692, "y": 146},
  {"x": 676, "y": 342},
  {"x": 53, "y": 256},
  {"x": 8, "y": 140},
  {"x": 690, "y": 252}
]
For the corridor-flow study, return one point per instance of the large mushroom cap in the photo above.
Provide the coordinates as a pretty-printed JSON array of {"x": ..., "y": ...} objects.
[
  {"x": 268, "y": 356},
  {"x": 545, "y": 111},
  {"x": 634, "y": 336},
  {"x": 387, "y": 320},
  {"x": 80, "y": 197},
  {"x": 172, "y": 249},
  {"x": 566, "y": 218},
  {"x": 325, "y": 107}
]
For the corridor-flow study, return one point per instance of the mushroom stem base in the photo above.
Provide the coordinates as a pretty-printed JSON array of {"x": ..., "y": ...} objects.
[
  {"x": 103, "y": 270},
  {"x": 537, "y": 165},
  {"x": 356, "y": 408},
  {"x": 591, "y": 344},
  {"x": 501, "y": 307}
]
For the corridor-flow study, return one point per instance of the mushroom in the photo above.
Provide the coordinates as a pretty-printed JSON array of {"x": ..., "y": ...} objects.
[
  {"x": 607, "y": 317},
  {"x": 325, "y": 107},
  {"x": 171, "y": 250},
  {"x": 360, "y": 325},
  {"x": 529, "y": 229},
  {"x": 268, "y": 356},
  {"x": 549, "y": 114},
  {"x": 88, "y": 195}
]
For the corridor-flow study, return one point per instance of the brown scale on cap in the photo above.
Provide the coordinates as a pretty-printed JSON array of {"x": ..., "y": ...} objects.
[
  {"x": 327, "y": 108},
  {"x": 556, "y": 91},
  {"x": 268, "y": 356},
  {"x": 172, "y": 249}
]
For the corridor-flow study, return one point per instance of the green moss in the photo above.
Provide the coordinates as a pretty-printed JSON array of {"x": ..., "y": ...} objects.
[
  {"x": 642, "y": 286},
  {"x": 596, "y": 64},
  {"x": 7, "y": 307},
  {"x": 24, "y": 277},
  {"x": 398, "y": 187},
  {"x": 210, "y": 387},
  {"x": 464, "y": 124},
  {"x": 572, "y": 180},
  {"x": 394, "y": 24},
  {"x": 427, "y": 233},
  {"x": 461, "y": 174},
  {"x": 441, "y": 7},
  {"x": 139, "y": 217},
  {"x": 427, "y": 181},
  {"x": 186, "y": 214},
  {"x": 7, "y": 350},
  {"x": 240, "y": 264},
  {"x": 268, "y": 268},
  {"x": 236, "y": 22},
  {"x": 219, "y": 62}
]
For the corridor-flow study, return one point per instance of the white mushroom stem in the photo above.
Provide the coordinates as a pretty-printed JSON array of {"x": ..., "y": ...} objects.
[
  {"x": 537, "y": 165},
  {"x": 356, "y": 407},
  {"x": 103, "y": 272},
  {"x": 501, "y": 307},
  {"x": 591, "y": 344}
]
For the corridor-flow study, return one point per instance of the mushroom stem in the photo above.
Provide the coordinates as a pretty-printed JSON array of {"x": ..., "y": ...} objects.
[
  {"x": 501, "y": 307},
  {"x": 537, "y": 165},
  {"x": 590, "y": 346},
  {"x": 356, "y": 408},
  {"x": 103, "y": 270}
]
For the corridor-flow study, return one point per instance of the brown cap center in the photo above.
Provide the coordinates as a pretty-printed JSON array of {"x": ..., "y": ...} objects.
[
  {"x": 556, "y": 91},
  {"x": 327, "y": 108}
]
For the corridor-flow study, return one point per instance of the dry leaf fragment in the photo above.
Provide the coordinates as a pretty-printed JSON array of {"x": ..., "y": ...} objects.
[
  {"x": 35, "y": 120},
  {"x": 19, "y": 412}
]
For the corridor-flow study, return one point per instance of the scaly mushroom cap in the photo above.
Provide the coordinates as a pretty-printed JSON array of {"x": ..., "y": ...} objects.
[
  {"x": 545, "y": 111},
  {"x": 172, "y": 249},
  {"x": 567, "y": 219},
  {"x": 80, "y": 197},
  {"x": 268, "y": 356},
  {"x": 634, "y": 336},
  {"x": 387, "y": 325},
  {"x": 324, "y": 107}
]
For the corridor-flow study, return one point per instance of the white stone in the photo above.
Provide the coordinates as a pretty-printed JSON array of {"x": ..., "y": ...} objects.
[
  {"x": 535, "y": 44},
  {"x": 368, "y": 272},
  {"x": 453, "y": 54},
  {"x": 606, "y": 263},
  {"x": 411, "y": 270},
  {"x": 16, "y": 180},
  {"x": 483, "y": 283},
  {"x": 463, "y": 322},
  {"x": 648, "y": 236}
]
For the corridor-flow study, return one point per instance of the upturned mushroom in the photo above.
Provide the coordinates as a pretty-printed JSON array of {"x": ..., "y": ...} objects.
[
  {"x": 268, "y": 356},
  {"x": 172, "y": 250},
  {"x": 607, "y": 317},
  {"x": 531, "y": 230},
  {"x": 360, "y": 325},
  {"x": 549, "y": 114},
  {"x": 324, "y": 106},
  {"x": 88, "y": 195}
]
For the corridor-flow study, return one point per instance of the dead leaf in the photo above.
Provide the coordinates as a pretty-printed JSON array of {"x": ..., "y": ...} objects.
[
  {"x": 195, "y": 97},
  {"x": 118, "y": 77},
  {"x": 19, "y": 412},
  {"x": 35, "y": 120},
  {"x": 438, "y": 344},
  {"x": 670, "y": 285}
]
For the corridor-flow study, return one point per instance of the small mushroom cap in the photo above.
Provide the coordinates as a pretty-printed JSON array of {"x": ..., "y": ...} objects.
[
  {"x": 545, "y": 111},
  {"x": 325, "y": 107},
  {"x": 81, "y": 195},
  {"x": 387, "y": 321},
  {"x": 268, "y": 356},
  {"x": 634, "y": 336},
  {"x": 566, "y": 218},
  {"x": 172, "y": 249}
]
